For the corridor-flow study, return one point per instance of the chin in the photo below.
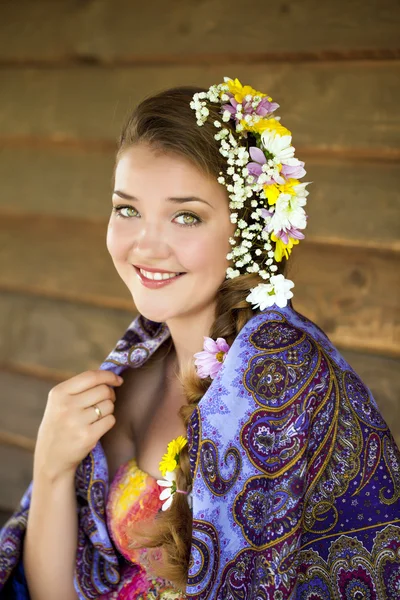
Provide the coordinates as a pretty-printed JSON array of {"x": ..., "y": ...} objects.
[{"x": 155, "y": 313}]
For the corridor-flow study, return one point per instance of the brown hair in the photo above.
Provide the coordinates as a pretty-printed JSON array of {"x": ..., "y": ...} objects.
[{"x": 166, "y": 122}]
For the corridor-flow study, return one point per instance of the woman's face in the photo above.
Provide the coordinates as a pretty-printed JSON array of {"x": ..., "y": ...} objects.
[{"x": 150, "y": 229}]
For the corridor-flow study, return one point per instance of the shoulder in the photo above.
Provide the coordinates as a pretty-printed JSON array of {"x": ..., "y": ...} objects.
[{"x": 276, "y": 330}]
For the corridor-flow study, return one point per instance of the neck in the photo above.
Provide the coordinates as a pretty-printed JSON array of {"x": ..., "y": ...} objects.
[{"x": 187, "y": 334}]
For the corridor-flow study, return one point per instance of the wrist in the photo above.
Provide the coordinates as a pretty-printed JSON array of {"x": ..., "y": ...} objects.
[{"x": 53, "y": 475}]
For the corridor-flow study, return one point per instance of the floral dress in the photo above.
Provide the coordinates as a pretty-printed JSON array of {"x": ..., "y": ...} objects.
[{"x": 134, "y": 495}]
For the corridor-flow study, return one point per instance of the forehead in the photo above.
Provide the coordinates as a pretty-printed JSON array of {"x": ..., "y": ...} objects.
[{"x": 140, "y": 171}]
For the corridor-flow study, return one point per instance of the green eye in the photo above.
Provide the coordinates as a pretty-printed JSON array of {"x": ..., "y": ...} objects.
[
  {"x": 189, "y": 219},
  {"x": 119, "y": 209}
]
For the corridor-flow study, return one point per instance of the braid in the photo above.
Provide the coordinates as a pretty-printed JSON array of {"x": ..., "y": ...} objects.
[{"x": 170, "y": 533}]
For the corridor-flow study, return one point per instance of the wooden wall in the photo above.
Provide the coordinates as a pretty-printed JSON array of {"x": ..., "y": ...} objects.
[{"x": 69, "y": 73}]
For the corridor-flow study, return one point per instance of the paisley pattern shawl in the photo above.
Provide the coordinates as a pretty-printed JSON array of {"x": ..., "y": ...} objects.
[{"x": 296, "y": 477}]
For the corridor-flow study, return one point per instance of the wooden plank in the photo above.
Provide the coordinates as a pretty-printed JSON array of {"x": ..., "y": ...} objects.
[
  {"x": 4, "y": 516},
  {"x": 23, "y": 400},
  {"x": 16, "y": 467},
  {"x": 351, "y": 292},
  {"x": 114, "y": 30},
  {"x": 341, "y": 106},
  {"x": 382, "y": 376},
  {"x": 68, "y": 259},
  {"x": 71, "y": 182},
  {"x": 55, "y": 335},
  {"x": 16, "y": 440},
  {"x": 56, "y": 180}
]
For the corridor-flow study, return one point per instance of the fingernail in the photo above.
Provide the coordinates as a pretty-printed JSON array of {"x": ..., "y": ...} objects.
[{"x": 120, "y": 379}]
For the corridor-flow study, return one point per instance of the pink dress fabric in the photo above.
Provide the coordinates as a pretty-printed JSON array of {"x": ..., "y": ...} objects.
[{"x": 133, "y": 496}]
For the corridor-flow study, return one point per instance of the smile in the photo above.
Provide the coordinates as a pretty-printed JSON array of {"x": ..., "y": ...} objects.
[
  {"x": 158, "y": 276},
  {"x": 154, "y": 280}
]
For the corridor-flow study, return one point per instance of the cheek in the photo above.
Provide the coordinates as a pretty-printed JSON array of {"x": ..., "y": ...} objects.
[
  {"x": 115, "y": 242},
  {"x": 206, "y": 252}
]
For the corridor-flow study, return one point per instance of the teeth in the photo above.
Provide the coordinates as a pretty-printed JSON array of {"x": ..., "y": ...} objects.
[{"x": 158, "y": 276}]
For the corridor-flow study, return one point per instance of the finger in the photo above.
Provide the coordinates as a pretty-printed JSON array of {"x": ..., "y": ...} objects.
[
  {"x": 96, "y": 395},
  {"x": 106, "y": 408},
  {"x": 89, "y": 379},
  {"x": 100, "y": 427}
]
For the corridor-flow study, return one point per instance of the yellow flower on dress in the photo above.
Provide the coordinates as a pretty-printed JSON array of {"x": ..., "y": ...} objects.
[
  {"x": 169, "y": 461},
  {"x": 240, "y": 91}
]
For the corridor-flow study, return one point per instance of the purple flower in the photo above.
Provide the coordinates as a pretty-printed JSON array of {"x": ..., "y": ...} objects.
[
  {"x": 255, "y": 168},
  {"x": 265, "y": 107},
  {"x": 209, "y": 361},
  {"x": 293, "y": 171},
  {"x": 292, "y": 232}
]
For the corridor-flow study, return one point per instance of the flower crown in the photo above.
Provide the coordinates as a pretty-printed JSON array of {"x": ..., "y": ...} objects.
[{"x": 264, "y": 181}]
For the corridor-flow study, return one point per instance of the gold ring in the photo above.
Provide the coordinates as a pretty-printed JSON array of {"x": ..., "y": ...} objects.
[{"x": 98, "y": 411}]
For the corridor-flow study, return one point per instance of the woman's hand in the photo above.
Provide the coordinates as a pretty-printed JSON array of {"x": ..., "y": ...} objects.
[{"x": 71, "y": 427}]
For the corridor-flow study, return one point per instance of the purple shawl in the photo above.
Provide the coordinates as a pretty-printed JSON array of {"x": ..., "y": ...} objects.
[{"x": 296, "y": 476}]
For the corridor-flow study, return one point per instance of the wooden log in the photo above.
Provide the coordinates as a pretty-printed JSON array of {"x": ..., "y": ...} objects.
[
  {"x": 23, "y": 400},
  {"x": 351, "y": 292},
  {"x": 116, "y": 30},
  {"x": 16, "y": 467},
  {"x": 351, "y": 202},
  {"x": 341, "y": 106},
  {"x": 57, "y": 336}
]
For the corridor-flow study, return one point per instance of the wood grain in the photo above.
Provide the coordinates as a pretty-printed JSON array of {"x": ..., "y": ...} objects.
[
  {"x": 73, "y": 182},
  {"x": 339, "y": 106},
  {"x": 15, "y": 475},
  {"x": 119, "y": 30},
  {"x": 57, "y": 336}
]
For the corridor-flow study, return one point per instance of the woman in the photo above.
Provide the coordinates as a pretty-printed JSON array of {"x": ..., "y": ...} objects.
[{"x": 280, "y": 479}]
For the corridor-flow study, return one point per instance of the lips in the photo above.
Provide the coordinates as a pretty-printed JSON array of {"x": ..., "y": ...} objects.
[{"x": 156, "y": 283}]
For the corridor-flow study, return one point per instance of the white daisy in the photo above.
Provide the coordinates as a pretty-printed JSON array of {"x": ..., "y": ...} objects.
[
  {"x": 276, "y": 292},
  {"x": 169, "y": 484},
  {"x": 288, "y": 213}
]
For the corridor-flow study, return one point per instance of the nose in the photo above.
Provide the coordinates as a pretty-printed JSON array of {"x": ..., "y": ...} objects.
[{"x": 150, "y": 243}]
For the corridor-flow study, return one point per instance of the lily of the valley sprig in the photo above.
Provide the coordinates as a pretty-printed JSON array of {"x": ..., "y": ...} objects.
[{"x": 209, "y": 361}]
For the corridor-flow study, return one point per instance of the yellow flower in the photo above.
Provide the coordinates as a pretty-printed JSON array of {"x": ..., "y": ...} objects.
[
  {"x": 167, "y": 464},
  {"x": 169, "y": 461},
  {"x": 273, "y": 190},
  {"x": 240, "y": 91},
  {"x": 281, "y": 248},
  {"x": 270, "y": 124}
]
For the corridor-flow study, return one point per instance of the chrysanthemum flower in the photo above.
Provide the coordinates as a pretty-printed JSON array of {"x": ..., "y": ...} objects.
[
  {"x": 276, "y": 292},
  {"x": 170, "y": 487},
  {"x": 169, "y": 461},
  {"x": 209, "y": 361},
  {"x": 240, "y": 91}
]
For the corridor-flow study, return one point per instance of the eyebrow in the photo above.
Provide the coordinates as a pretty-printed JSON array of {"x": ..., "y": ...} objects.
[{"x": 176, "y": 199}]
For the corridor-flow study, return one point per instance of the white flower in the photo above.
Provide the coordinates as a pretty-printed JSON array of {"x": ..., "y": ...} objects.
[
  {"x": 276, "y": 292},
  {"x": 281, "y": 149},
  {"x": 301, "y": 192},
  {"x": 288, "y": 213},
  {"x": 168, "y": 483}
]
